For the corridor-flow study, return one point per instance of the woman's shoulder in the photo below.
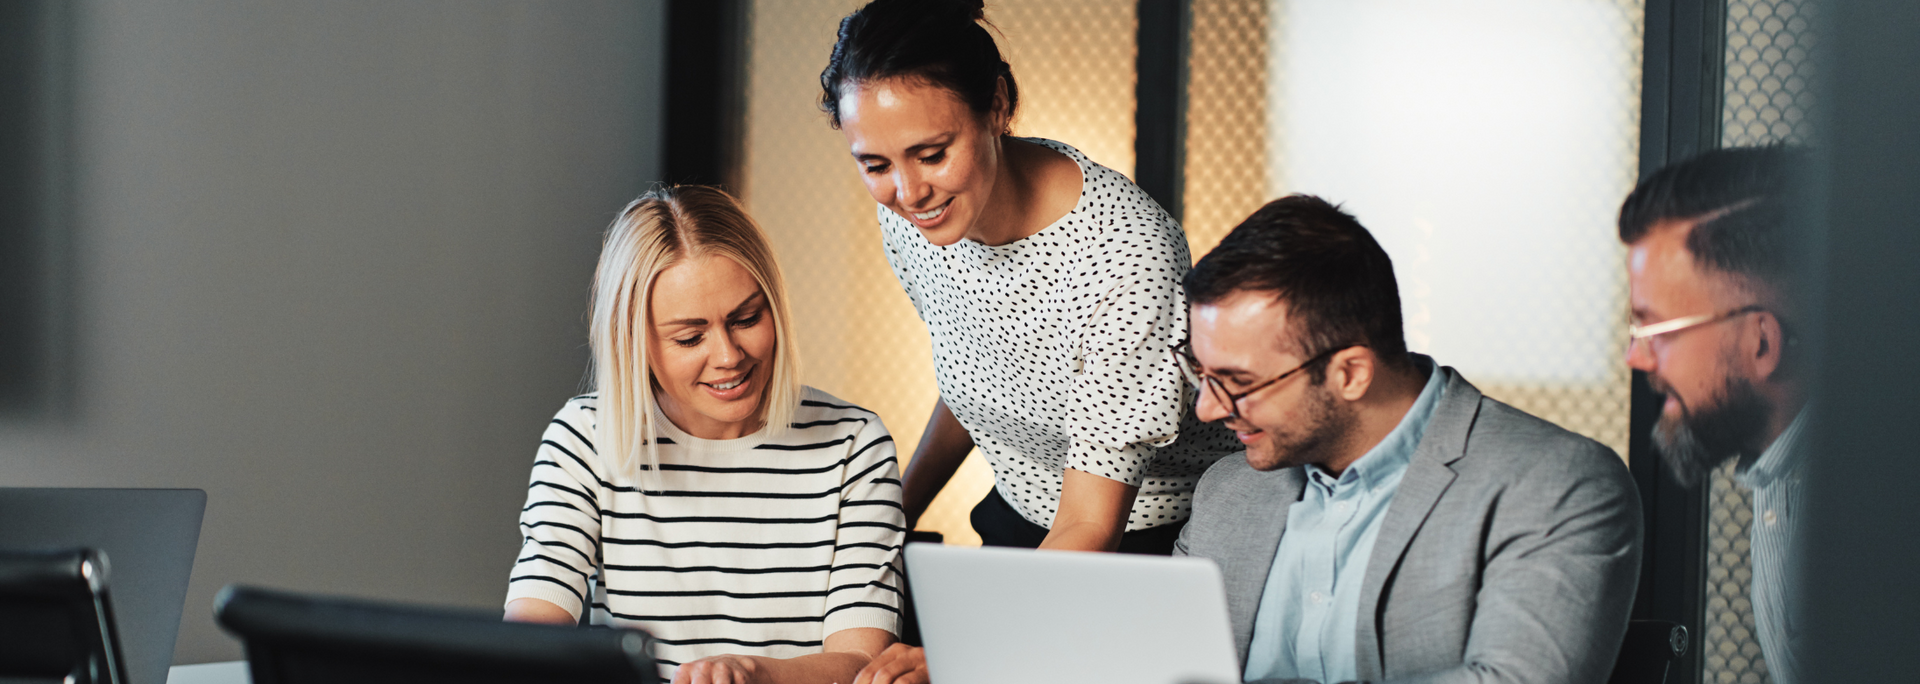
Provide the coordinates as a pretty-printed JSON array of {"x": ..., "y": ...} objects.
[
  {"x": 818, "y": 409},
  {"x": 829, "y": 428},
  {"x": 1105, "y": 190},
  {"x": 1116, "y": 219},
  {"x": 581, "y": 412}
]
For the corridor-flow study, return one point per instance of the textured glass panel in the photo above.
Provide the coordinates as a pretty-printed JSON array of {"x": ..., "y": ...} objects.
[
  {"x": 859, "y": 338},
  {"x": 1226, "y": 139},
  {"x": 1074, "y": 61},
  {"x": 1769, "y": 91},
  {"x": 1730, "y": 651},
  {"x": 1487, "y": 144},
  {"x": 1768, "y": 98}
]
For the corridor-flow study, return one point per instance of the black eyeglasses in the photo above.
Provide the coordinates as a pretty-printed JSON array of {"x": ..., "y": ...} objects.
[{"x": 1190, "y": 366}]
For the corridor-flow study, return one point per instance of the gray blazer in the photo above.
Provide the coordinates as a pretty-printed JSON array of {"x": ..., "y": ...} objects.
[{"x": 1510, "y": 552}]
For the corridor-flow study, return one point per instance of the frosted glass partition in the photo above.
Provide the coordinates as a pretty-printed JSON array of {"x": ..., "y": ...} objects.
[
  {"x": 1487, "y": 143},
  {"x": 1767, "y": 97}
]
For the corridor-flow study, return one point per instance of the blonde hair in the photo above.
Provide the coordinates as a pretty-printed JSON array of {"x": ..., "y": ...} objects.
[{"x": 661, "y": 229}]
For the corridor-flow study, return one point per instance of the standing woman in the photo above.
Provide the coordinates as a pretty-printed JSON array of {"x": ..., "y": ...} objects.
[{"x": 1050, "y": 285}]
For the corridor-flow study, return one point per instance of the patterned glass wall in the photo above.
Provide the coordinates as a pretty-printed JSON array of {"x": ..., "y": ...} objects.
[
  {"x": 1226, "y": 137},
  {"x": 859, "y": 337},
  {"x": 1768, "y": 97},
  {"x": 1487, "y": 144},
  {"x": 1074, "y": 60},
  {"x": 1730, "y": 648},
  {"x": 1768, "y": 89}
]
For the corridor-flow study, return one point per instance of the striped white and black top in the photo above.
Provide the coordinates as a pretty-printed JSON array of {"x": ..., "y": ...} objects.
[{"x": 752, "y": 546}]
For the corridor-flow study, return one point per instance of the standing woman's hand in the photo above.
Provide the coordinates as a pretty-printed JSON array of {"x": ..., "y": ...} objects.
[
  {"x": 1093, "y": 513},
  {"x": 899, "y": 664}
]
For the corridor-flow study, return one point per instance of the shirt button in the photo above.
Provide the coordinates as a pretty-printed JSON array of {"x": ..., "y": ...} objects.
[
  {"x": 1341, "y": 507},
  {"x": 1316, "y": 597},
  {"x": 1769, "y": 517}
]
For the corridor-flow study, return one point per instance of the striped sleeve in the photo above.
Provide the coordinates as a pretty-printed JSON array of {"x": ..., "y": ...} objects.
[
  {"x": 560, "y": 525},
  {"x": 865, "y": 579}
]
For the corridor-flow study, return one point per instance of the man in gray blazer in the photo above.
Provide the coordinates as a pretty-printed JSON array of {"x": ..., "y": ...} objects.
[{"x": 1388, "y": 522}]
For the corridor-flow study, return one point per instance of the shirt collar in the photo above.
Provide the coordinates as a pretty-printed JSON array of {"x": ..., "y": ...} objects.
[
  {"x": 1388, "y": 458},
  {"x": 1780, "y": 458}
]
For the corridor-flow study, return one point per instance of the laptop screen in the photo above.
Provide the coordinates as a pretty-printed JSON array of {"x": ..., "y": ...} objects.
[{"x": 149, "y": 537}]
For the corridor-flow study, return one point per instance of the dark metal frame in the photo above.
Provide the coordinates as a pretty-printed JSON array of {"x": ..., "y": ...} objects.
[
  {"x": 1160, "y": 94},
  {"x": 706, "y": 92},
  {"x": 35, "y": 191},
  {"x": 1859, "y": 596},
  {"x": 1680, "y": 110}
]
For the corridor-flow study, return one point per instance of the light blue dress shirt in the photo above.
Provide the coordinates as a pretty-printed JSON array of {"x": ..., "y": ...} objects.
[
  {"x": 1775, "y": 479},
  {"x": 1308, "y": 616}
]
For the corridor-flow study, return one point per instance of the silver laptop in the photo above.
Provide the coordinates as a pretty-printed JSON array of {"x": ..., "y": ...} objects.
[
  {"x": 1013, "y": 616},
  {"x": 149, "y": 536}
]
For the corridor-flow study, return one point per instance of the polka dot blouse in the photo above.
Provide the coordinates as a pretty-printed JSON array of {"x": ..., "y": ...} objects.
[{"x": 1055, "y": 351}]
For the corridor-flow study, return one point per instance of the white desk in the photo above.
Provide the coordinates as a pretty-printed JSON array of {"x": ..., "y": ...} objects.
[{"x": 231, "y": 672}]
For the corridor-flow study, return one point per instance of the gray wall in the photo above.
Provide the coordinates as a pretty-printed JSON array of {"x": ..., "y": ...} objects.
[{"x": 330, "y": 264}]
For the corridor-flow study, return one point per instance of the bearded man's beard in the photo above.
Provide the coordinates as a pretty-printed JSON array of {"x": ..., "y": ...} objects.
[{"x": 1701, "y": 438}]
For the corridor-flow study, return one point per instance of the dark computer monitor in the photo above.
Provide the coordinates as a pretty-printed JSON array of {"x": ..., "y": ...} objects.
[
  {"x": 300, "y": 639},
  {"x": 148, "y": 536},
  {"x": 56, "y": 624}
]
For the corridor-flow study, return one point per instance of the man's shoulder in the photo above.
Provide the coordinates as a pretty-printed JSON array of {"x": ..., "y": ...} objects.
[
  {"x": 1226, "y": 472},
  {"x": 1517, "y": 458},
  {"x": 1231, "y": 485},
  {"x": 1512, "y": 442},
  {"x": 1230, "y": 503}
]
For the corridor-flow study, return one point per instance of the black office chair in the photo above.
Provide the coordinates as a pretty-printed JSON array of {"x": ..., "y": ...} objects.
[
  {"x": 296, "y": 639},
  {"x": 1649, "y": 651},
  {"x": 56, "y": 624}
]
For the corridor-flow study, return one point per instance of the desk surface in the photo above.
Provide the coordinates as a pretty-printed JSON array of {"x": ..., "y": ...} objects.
[{"x": 231, "y": 672}]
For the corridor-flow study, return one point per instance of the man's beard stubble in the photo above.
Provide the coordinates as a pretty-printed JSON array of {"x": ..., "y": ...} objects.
[
  {"x": 1701, "y": 438},
  {"x": 1324, "y": 426}
]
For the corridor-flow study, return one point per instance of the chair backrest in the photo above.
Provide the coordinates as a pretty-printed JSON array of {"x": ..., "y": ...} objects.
[
  {"x": 298, "y": 639},
  {"x": 1649, "y": 651},
  {"x": 56, "y": 623}
]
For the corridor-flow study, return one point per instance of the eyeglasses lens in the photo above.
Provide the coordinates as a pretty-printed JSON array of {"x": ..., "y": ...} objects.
[{"x": 1190, "y": 367}]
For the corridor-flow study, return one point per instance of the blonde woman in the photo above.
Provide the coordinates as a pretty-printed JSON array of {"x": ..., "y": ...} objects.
[{"x": 702, "y": 493}]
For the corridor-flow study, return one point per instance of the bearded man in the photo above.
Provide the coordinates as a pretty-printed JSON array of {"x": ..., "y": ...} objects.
[
  {"x": 1389, "y": 523},
  {"x": 1715, "y": 272}
]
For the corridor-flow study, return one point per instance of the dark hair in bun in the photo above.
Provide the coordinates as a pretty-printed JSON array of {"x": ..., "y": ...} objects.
[{"x": 940, "y": 41}]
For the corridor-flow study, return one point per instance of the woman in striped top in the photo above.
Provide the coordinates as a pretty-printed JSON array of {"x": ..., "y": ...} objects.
[{"x": 751, "y": 524}]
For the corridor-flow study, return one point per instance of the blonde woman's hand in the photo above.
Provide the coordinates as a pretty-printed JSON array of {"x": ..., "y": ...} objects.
[
  {"x": 899, "y": 664},
  {"x": 720, "y": 669}
]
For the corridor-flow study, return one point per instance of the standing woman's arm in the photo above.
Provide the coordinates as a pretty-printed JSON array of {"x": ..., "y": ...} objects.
[
  {"x": 1128, "y": 397},
  {"x": 1093, "y": 513},
  {"x": 942, "y": 448}
]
